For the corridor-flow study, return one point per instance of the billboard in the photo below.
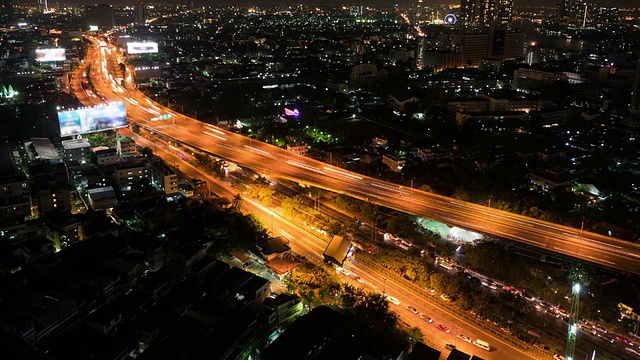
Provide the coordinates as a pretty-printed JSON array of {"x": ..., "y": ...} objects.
[
  {"x": 142, "y": 47},
  {"x": 55, "y": 54},
  {"x": 95, "y": 119}
]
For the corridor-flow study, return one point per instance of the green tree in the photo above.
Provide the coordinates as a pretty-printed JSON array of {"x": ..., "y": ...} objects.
[
  {"x": 146, "y": 151},
  {"x": 101, "y": 139},
  {"x": 237, "y": 202},
  {"x": 415, "y": 335}
]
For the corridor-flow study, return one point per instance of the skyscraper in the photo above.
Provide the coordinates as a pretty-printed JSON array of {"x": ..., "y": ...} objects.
[
  {"x": 140, "y": 13},
  {"x": 496, "y": 13},
  {"x": 572, "y": 13},
  {"x": 467, "y": 13}
]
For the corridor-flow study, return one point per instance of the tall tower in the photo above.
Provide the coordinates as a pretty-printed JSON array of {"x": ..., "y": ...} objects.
[{"x": 140, "y": 13}]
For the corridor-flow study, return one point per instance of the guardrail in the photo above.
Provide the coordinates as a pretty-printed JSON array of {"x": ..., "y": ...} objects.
[{"x": 435, "y": 301}]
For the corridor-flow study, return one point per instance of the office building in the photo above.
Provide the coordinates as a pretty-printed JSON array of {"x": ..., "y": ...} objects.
[
  {"x": 607, "y": 18},
  {"x": 140, "y": 13},
  {"x": 494, "y": 44},
  {"x": 50, "y": 188},
  {"x": 496, "y": 13},
  {"x": 572, "y": 13},
  {"x": 163, "y": 177},
  {"x": 99, "y": 15},
  {"x": 467, "y": 15},
  {"x": 131, "y": 171}
]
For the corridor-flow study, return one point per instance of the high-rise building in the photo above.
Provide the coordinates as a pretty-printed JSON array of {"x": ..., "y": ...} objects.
[
  {"x": 140, "y": 13},
  {"x": 43, "y": 5},
  {"x": 467, "y": 16},
  {"x": 496, "y": 13},
  {"x": 487, "y": 12},
  {"x": 356, "y": 9},
  {"x": 7, "y": 10},
  {"x": 504, "y": 12},
  {"x": 100, "y": 15},
  {"x": 496, "y": 43},
  {"x": 607, "y": 17},
  {"x": 572, "y": 13}
]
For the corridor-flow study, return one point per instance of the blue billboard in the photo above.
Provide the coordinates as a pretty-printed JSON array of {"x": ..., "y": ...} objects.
[{"x": 90, "y": 120}]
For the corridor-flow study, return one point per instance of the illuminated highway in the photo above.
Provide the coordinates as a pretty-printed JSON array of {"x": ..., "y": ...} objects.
[
  {"x": 306, "y": 243},
  {"x": 591, "y": 247}
]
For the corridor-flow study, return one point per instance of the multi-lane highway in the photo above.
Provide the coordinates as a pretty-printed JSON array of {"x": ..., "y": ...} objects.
[
  {"x": 311, "y": 246},
  {"x": 584, "y": 245}
]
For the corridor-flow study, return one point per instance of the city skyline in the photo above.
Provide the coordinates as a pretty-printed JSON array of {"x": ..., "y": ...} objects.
[
  {"x": 218, "y": 182},
  {"x": 608, "y": 3}
]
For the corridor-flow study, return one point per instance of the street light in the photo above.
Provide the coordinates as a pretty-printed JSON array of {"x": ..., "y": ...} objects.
[
  {"x": 272, "y": 233},
  {"x": 384, "y": 286}
]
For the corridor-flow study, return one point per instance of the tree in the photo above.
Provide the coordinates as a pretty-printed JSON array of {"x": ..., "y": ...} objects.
[
  {"x": 147, "y": 151},
  {"x": 101, "y": 139},
  {"x": 237, "y": 202},
  {"x": 415, "y": 335},
  {"x": 428, "y": 188}
]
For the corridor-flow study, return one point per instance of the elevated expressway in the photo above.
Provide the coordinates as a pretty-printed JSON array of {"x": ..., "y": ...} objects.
[{"x": 587, "y": 246}]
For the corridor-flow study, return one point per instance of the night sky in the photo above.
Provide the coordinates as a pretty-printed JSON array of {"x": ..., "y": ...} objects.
[{"x": 619, "y": 3}]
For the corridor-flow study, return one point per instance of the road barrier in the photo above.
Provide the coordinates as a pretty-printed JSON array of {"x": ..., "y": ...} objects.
[{"x": 425, "y": 294}]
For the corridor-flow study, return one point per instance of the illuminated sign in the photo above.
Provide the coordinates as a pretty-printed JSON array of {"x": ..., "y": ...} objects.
[
  {"x": 95, "y": 119},
  {"x": 93, "y": 27},
  {"x": 289, "y": 112},
  {"x": 45, "y": 55},
  {"x": 142, "y": 48}
]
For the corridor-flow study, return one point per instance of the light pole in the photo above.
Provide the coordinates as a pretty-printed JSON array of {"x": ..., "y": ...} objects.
[
  {"x": 384, "y": 286},
  {"x": 272, "y": 233}
]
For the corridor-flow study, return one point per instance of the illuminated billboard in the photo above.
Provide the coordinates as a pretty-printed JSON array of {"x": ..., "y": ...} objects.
[
  {"x": 55, "y": 54},
  {"x": 289, "y": 112},
  {"x": 95, "y": 119},
  {"x": 142, "y": 47}
]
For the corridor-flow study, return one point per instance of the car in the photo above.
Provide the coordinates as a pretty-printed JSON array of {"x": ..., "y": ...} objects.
[
  {"x": 600, "y": 328},
  {"x": 607, "y": 337},
  {"x": 412, "y": 309},
  {"x": 558, "y": 357},
  {"x": 450, "y": 347},
  {"x": 632, "y": 350},
  {"x": 445, "y": 297},
  {"x": 542, "y": 346},
  {"x": 426, "y": 318},
  {"x": 624, "y": 340},
  {"x": 393, "y": 300},
  {"x": 357, "y": 278},
  {"x": 443, "y": 328},
  {"x": 464, "y": 338}
]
